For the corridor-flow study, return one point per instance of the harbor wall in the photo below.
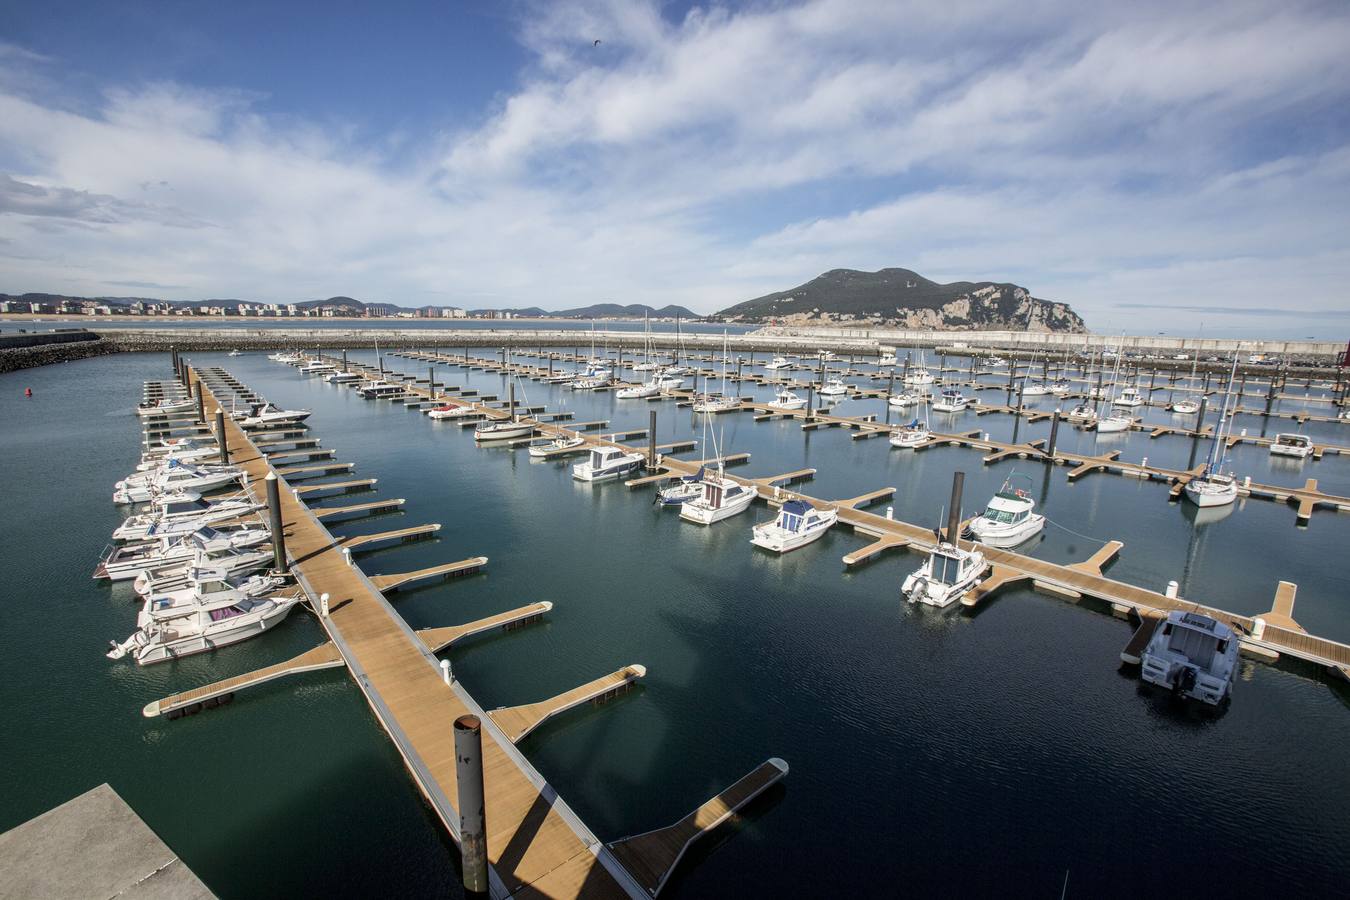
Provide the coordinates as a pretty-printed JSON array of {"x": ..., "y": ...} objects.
[{"x": 25, "y": 351}]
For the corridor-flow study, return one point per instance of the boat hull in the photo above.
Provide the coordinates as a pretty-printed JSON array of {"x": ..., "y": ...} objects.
[{"x": 703, "y": 515}]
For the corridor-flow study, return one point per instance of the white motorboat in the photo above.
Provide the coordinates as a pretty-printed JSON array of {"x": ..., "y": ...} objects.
[
  {"x": 164, "y": 407},
  {"x": 1009, "y": 519},
  {"x": 797, "y": 524},
  {"x": 1083, "y": 414},
  {"x": 557, "y": 447},
  {"x": 826, "y": 356},
  {"x": 606, "y": 463},
  {"x": 173, "y": 513},
  {"x": 1114, "y": 423},
  {"x": 1299, "y": 446},
  {"x": 146, "y": 486},
  {"x": 270, "y": 414},
  {"x": 719, "y": 498},
  {"x": 639, "y": 391},
  {"x": 786, "y": 400},
  {"x": 203, "y": 628},
  {"x": 951, "y": 401},
  {"x": 910, "y": 436},
  {"x": 216, "y": 563},
  {"x": 1130, "y": 397},
  {"x": 1186, "y": 407},
  {"x": 1193, "y": 656},
  {"x": 995, "y": 362},
  {"x": 126, "y": 562},
  {"x": 885, "y": 356},
  {"x": 342, "y": 377},
  {"x": 204, "y": 589},
  {"x": 503, "y": 430},
  {"x": 453, "y": 411},
  {"x": 289, "y": 359},
  {"x": 187, "y": 453},
  {"x": 376, "y": 390},
  {"x": 1032, "y": 389},
  {"x": 236, "y": 353},
  {"x": 778, "y": 362},
  {"x": 166, "y": 446},
  {"x": 669, "y": 381},
  {"x": 833, "y": 387},
  {"x": 588, "y": 383},
  {"x": 945, "y": 576},
  {"x": 317, "y": 367},
  {"x": 904, "y": 399},
  {"x": 645, "y": 367},
  {"x": 1060, "y": 387}
]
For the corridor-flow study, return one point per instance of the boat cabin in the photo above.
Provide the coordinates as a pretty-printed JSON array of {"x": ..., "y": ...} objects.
[{"x": 1009, "y": 507}]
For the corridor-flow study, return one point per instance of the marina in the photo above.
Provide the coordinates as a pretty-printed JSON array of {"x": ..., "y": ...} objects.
[{"x": 1012, "y": 574}]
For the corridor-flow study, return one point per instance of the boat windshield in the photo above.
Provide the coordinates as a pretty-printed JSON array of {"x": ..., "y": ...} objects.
[
  {"x": 789, "y": 521},
  {"x": 945, "y": 569},
  {"x": 1002, "y": 516}
]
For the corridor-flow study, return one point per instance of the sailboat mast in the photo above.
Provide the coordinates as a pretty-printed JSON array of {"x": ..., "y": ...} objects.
[{"x": 1215, "y": 459}]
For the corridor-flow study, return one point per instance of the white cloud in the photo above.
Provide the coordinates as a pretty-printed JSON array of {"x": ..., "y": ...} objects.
[{"x": 1102, "y": 156}]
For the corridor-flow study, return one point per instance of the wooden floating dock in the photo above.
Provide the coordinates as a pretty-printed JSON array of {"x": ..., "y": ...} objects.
[
  {"x": 518, "y": 721},
  {"x": 401, "y": 580},
  {"x": 360, "y": 484},
  {"x": 652, "y": 856},
  {"x": 325, "y": 513},
  {"x": 398, "y": 536}
]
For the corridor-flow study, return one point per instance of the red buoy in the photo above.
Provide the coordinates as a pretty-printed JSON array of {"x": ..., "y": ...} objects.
[{"x": 28, "y": 392}]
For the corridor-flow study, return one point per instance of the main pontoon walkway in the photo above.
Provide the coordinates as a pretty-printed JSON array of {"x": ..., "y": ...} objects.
[{"x": 536, "y": 845}]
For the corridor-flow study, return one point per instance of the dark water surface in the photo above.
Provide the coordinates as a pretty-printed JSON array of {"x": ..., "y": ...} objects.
[{"x": 934, "y": 754}]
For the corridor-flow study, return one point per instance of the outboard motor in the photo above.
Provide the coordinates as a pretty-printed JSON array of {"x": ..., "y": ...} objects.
[{"x": 1185, "y": 680}]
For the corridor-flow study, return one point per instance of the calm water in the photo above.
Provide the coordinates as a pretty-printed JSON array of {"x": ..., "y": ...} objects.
[{"x": 933, "y": 753}]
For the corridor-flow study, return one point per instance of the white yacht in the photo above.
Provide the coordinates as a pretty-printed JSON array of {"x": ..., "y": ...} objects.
[
  {"x": 719, "y": 498},
  {"x": 797, "y": 524},
  {"x": 995, "y": 362},
  {"x": 778, "y": 362},
  {"x": 164, "y": 407},
  {"x": 1130, "y": 396},
  {"x": 317, "y": 367},
  {"x": 215, "y": 563},
  {"x": 203, "y": 628},
  {"x": 126, "y": 562},
  {"x": 1033, "y": 389},
  {"x": 912, "y": 435},
  {"x": 1008, "y": 520},
  {"x": 833, "y": 387},
  {"x": 236, "y": 352},
  {"x": 1193, "y": 656},
  {"x": 1114, "y": 423},
  {"x": 904, "y": 399},
  {"x": 453, "y": 411},
  {"x": 342, "y": 377},
  {"x": 557, "y": 447},
  {"x": 1083, "y": 414},
  {"x": 376, "y": 390},
  {"x": 1186, "y": 407},
  {"x": 826, "y": 356},
  {"x": 639, "y": 391},
  {"x": 786, "y": 400},
  {"x": 174, "y": 512},
  {"x": 951, "y": 401},
  {"x": 945, "y": 576},
  {"x": 145, "y": 486},
  {"x": 689, "y": 487},
  {"x": 1211, "y": 489},
  {"x": 715, "y": 403},
  {"x": 289, "y": 359},
  {"x": 1296, "y": 445},
  {"x": 919, "y": 377},
  {"x": 886, "y": 356},
  {"x": 203, "y": 588},
  {"x": 186, "y": 453},
  {"x": 1060, "y": 387},
  {"x": 669, "y": 380},
  {"x": 606, "y": 463},
  {"x": 502, "y": 430},
  {"x": 271, "y": 414}
]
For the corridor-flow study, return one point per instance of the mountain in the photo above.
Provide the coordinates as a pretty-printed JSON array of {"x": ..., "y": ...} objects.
[{"x": 905, "y": 299}]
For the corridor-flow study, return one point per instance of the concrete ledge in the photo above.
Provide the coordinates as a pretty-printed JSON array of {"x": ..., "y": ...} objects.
[{"x": 92, "y": 846}]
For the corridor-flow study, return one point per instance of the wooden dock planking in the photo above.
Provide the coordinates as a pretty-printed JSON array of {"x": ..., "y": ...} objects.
[
  {"x": 1149, "y": 620},
  {"x": 332, "y": 512},
  {"x": 330, "y": 468},
  {"x": 535, "y": 842},
  {"x": 324, "y": 656},
  {"x": 999, "y": 578},
  {"x": 867, "y": 499},
  {"x": 341, "y": 486},
  {"x": 400, "y": 535},
  {"x": 1095, "y": 563},
  {"x": 653, "y": 855},
  {"x": 786, "y": 477},
  {"x": 518, "y": 721},
  {"x": 874, "y": 549},
  {"x": 438, "y": 639},
  {"x": 398, "y": 581}
]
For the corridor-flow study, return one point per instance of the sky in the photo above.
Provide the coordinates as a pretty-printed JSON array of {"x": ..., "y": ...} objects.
[{"x": 1160, "y": 166}]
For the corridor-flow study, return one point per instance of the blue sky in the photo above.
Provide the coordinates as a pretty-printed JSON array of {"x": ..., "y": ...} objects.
[{"x": 1156, "y": 165}]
